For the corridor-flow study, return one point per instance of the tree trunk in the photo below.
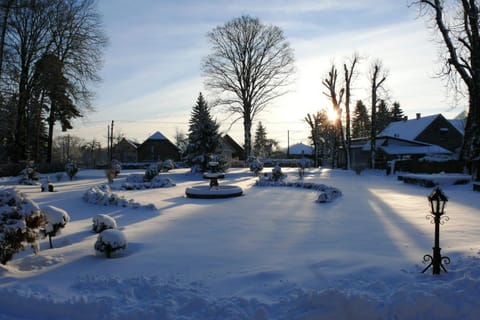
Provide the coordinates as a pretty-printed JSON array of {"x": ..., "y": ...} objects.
[
  {"x": 51, "y": 123},
  {"x": 247, "y": 127}
]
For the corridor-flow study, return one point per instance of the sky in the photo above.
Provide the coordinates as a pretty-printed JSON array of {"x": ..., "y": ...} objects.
[{"x": 152, "y": 75}]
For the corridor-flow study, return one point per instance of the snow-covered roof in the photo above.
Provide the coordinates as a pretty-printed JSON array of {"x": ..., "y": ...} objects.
[
  {"x": 408, "y": 129},
  {"x": 459, "y": 124},
  {"x": 397, "y": 146},
  {"x": 300, "y": 148},
  {"x": 157, "y": 136},
  {"x": 403, "y": 150}
]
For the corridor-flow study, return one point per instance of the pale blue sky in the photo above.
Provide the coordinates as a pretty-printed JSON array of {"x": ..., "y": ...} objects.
[{"x": 152, "y": 77}]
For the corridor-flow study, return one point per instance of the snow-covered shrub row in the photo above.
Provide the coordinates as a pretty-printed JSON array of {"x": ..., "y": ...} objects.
[
  {"x": 20, "y": 222},
  {"x": 110, "y": 241},
  {"x": 56, "y": 219},
  {"x": 136, "y": 182},
  {"x": 326, "y": 194},
  {"x": 102, "y": 195},
  {"x": 102, "y": 222}
]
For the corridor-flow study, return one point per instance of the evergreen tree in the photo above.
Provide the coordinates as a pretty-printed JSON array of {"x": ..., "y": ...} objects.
[
  {"x": 203, "y": 136},
  {"x": 360, "y": 121},
  {"x": 383, "y": 116},
  {"x": 397, "y": 112},
  {"x": 260, "y": 145}
]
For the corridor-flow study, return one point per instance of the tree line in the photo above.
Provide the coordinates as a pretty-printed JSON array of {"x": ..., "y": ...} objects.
[{"x": 50, "y": 55}]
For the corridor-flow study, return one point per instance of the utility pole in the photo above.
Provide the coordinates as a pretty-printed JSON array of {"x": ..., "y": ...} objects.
[
  {"x": 111, "y": 142},
  {"x": 288, "y": 144}
]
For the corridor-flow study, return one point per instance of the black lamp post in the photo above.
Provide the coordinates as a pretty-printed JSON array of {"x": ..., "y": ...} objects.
[{"x": 437, "y": 201}]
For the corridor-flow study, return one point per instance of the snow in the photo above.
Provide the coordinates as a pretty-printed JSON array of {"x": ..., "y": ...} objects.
[
  {"x": 102, "y": 221},
  {"x": 274, "y": 253},
  {"x": 55, "y": 216}
]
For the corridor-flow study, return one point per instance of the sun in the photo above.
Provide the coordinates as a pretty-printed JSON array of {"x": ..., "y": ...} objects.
[{"x": 332, "y": 115}]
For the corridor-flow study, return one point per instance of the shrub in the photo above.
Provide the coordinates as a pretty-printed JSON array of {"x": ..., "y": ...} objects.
[
  {"x": 116, "y": 167},
  {"x": 168, "y": 165},
  {"x": 29, "y": 175},
  {"x": 71, "y": 169},
  {"x": 151, "y": 172},
  {"x": 255, "y": 165},
  {"x": 20, "y": 222},
  {"x": 102, "y": 222},
  {"x": 56, "y": 219},
  {"x": 47, "y": 186},
  {"x": 110, "y": 241},
  {"x": 277, "y": 173}
]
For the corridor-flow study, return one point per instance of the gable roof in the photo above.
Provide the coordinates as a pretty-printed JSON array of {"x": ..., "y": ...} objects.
[
  {"x": 157, "y": 136},
  {"x": 408, "y": 129},
  {"x": 459, "y": 124},
  {"x": 229, "y": 142}
]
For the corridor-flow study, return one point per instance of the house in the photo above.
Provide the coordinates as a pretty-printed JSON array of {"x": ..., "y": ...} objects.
[
  {"x": 231, "y": 149},
  {"x": 126, "y": 151},
  {"x": 434, "y": 130},
  {"x": 411, "y": 139},
  {"x": 299, "y": 150},
  {"x": 157, "y": 148}
]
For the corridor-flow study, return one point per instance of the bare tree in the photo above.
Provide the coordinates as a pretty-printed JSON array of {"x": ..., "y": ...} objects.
[
  {"x": 349, "y": 72},
  {"x": 330, "y": 83},
  {"x": 250, "y": 65},
  {"x": 377, "y": 76},
  {"x": 69, "y": 30},
  {"x": 460, "y": 34}
]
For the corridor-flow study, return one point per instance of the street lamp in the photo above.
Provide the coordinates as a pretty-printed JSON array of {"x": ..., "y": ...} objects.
[{"x": 437, "y": 201}]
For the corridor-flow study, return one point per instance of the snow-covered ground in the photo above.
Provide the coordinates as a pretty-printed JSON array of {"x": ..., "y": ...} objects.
[{"x": 273, "y": 253}]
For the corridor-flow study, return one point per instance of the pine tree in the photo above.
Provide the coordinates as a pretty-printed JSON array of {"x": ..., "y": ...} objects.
[
  {"x": 260, "y": 145},
  {"x": 203, "y": 136},
  {"x": 383, "y": 116},
  {"x": 360, "y": 121},
  {"x": 397, "y": 112}
]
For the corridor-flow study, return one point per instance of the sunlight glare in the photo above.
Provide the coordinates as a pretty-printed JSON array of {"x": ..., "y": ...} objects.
[{"x": 332, "y": 115}]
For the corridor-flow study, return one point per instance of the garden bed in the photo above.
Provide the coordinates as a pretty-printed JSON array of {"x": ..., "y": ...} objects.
[{"x": 431, "y": 180}]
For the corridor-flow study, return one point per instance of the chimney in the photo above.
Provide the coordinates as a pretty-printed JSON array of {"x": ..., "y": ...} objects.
[{"x": 419, "y": 115}]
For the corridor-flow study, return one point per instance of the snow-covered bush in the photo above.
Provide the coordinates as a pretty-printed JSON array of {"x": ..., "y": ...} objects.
[
  {"x": 29, "y": 175},
  {"x": 151, "y": 172},
  {"x": 135, "y": 183},
  {"x": 71, "y": 169},
  {"x": 255, "y": 165},
  {"x": 102, "y": 222},
  {"x": 168, "y": 165},
  {"x": 110, "y": 241},
  {"x": 56, "y": 219},
  {"x": 20, "y": 222},
  {"x": 102, "y": 195},
  {"x": 328, "y": 195},
  {"x": 116, "y": 167},
  {"x": 277, "y": 173},
  {"x": 47, "y": 186}
]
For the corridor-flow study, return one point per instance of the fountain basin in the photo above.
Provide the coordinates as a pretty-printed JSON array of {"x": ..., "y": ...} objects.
[{"x": 206, "y": 192}]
